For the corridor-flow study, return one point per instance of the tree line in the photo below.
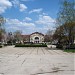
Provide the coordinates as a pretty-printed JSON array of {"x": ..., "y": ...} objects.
[{"x": 65, "y": 24}]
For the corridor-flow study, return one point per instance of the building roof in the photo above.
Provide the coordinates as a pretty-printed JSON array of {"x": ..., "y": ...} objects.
[
  {"x": 25, "y": 36},
  {"x": 28, "y": 36},
  {"x": 37, "y": 33}
]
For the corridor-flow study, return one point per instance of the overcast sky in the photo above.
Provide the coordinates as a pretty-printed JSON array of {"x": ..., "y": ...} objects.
[{"x": 29, "y": 15}]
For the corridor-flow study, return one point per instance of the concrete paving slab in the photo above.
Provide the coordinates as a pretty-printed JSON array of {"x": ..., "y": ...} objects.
[{"x": 36, "y": 61}]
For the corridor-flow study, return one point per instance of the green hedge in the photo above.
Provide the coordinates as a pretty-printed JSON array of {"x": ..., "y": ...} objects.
[
  {"x": 60, "y": 46},
  {"x": 69, "y": 50},
  {"x": 0, "y": 46},
  {"x": 72, "y": 46},
  {"x": 31, "y": 45}
]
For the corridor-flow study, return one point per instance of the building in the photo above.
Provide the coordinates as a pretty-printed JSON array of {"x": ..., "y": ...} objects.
[
  {"x": 26, "y": 38},
  {"x": 35, "y": 37}
]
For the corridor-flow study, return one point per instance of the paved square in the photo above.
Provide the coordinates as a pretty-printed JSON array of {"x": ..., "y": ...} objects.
[{"x": 35, "y": 61}]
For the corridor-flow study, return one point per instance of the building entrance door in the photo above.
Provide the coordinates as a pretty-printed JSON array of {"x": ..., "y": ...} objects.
[{"x": 36, "y": 40}]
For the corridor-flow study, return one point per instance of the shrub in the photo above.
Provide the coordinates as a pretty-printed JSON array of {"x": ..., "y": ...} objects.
[
  {"x": 69, "y": 50},
  {"x": 0, "y": 46},
  {"x": 30, "y": 45},
  {"x": 59, "y": 46},
  {"x": 70, "y": 47},
  {"x": 28, "y": 42},
  {"x": 5, "y": 44},
  {"x": 9, "y": 42}
]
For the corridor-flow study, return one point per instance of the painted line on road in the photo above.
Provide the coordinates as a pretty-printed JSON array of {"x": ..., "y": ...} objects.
[
  {"x": 23, "y": 61},
  {"x": 56, "y": 52},
  {"x": 43, "y": 51},
  {"x": 50, "y": 52},
  {"x": 31, "y": 51},
  {"x": 37, "y": 51}
]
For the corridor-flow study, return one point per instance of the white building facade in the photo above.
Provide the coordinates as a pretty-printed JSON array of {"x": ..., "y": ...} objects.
[{"x": 37, "y": 37}]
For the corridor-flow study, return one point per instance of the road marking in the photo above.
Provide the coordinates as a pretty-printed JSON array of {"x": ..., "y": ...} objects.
[
  {"x": 42, "y": 50},
  {"x": 50, "y": 52},
  {"x": 23, "y": 61},
  {"x": 37, "y": 51},
  {"x": 31, "y": 51}
]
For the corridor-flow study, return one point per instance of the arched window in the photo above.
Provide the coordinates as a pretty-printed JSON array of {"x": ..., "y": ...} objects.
[{"x": 36, "y": 38}]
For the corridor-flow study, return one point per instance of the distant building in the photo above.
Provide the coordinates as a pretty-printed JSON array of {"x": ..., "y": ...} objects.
[
  {"x": 35, "y": 37},
  {"x": 26, "y": 38}
]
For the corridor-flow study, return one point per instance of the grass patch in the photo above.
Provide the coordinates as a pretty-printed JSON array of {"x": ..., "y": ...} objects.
[
  {"x": 30, "y": 45},
  {"x": 69, "y": 50}
]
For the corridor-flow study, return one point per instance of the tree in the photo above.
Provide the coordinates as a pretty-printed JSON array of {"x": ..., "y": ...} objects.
[
  {"x": 2, "y": 30},
  {"x": 66, "y": 13},
  {"x": 2, "y": 20},
  {"x": 66, "y": 19},
  {"x": 18, "y": 36},
  {"x": 48, "y": 36},
  {"x": 10, "y": 38},
  {"x": 60, "y": 36}
]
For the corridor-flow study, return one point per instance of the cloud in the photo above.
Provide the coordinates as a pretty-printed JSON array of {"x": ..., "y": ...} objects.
[
  {"x": 23, "y": 7},
  {"x": 15, "y": 24},
  {"x": 18, "y": 23},
  {"x": 4, "y": 4},
  {"x": 27, "y": 19},
  {"x": 45, "y": 20},
  {"x": 12, "y": 28},
  {"x": 27, "y": 0},
  {"x": 36, "y": 10},
  {"x": 15, "y": 2},
  {"x": 28, "y": 26}
]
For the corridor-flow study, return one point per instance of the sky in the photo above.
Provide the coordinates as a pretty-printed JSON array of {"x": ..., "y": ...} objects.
[{"x": 29, "y": 16}]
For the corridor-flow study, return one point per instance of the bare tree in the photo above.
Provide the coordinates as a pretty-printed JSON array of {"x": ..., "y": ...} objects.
[
  {"x": 2, "y": 30},
  {"x": 66, "y": 19},
  {"x": 48, "y": 36},
  {"x": 18, "y": 36}
]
